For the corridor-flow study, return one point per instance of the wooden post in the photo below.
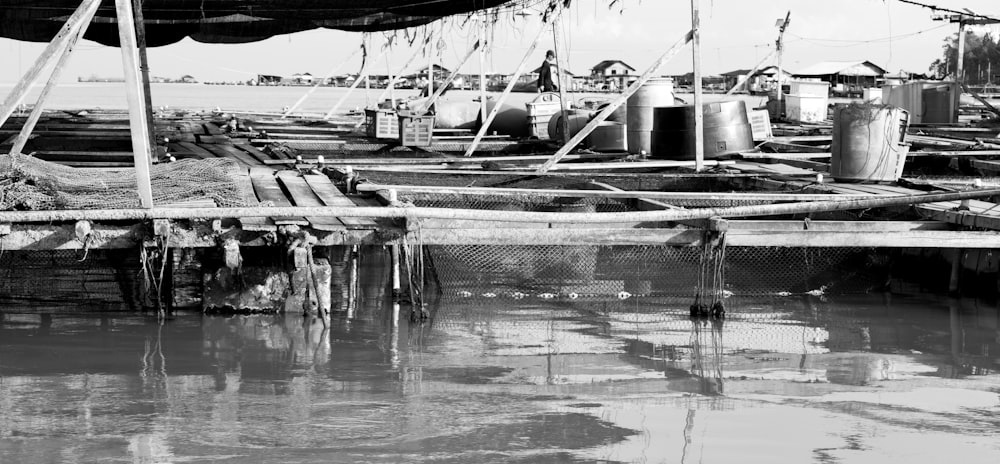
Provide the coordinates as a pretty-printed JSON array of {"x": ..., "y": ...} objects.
[
  {"x": 780, "y": 49},
  {"x": 956, "y": 271},
  {"x": 430, "y": 61},
  {"x": 699, "y": 111},
  {"x": 391, "y": 87},
  {"x": 141, "y": 144},
  {"x": 960, "y": 60},
  {"x": 482, "y": 70},
  {"x": 559, "y": 81},
  {"x": 503, "y": 96},
  {"x": 55, "y": 47},
  {"x": 332, "y": 72},
  {"x": 614, "y": 104},
  {"x": 36, "y": 112},
  {"x": 454, "y": 73},
  {"x": 140, "y": 38},
  {"x": 396, "y": 286}
]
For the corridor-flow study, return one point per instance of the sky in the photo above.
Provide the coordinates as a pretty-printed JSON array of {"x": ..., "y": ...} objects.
[{"x": 735, "y": 34}]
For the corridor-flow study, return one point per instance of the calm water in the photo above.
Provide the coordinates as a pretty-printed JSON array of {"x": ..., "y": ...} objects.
[{"x": 872, "y": 378}]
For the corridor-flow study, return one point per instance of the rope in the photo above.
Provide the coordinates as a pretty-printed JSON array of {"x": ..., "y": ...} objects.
[{"x": 711, "y": 266}]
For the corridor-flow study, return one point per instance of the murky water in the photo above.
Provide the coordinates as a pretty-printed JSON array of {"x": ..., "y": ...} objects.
[{"x": 849, "y": 379}]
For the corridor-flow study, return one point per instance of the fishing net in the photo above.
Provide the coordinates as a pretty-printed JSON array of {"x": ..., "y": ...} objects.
[
  {"x": 28, "y": 183},
  {"x": 70, "y": 280}
]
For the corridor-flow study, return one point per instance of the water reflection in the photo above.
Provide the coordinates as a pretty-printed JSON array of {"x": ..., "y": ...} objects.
[{"x": 495, "y": 379}]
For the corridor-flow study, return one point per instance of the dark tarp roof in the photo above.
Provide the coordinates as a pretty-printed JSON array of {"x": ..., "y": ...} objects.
[{"x": 230, "y": 21}]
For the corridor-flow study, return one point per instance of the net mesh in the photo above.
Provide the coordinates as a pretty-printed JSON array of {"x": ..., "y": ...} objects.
[
  {"x": 64, "y": 280},
  {"x": 28, "y": 183},
  {"x": 575, "y": 272}
]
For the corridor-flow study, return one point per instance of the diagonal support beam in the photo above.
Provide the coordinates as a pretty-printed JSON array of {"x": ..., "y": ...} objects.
[
  {"x": 29, "y": 125},
  {"x": 142, "y": 148},
  {"x": 55, "y": 47},
  {"x": 330, "y": 74},
  {"x": 503, "y": 96},
  {"x": 603, "y": 115},
  {"x": 444, "y": 86},
  {"x": 363, "y": 75}
]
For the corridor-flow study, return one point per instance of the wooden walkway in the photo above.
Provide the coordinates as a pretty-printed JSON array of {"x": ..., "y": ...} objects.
[{"x": 280, "y": 160}]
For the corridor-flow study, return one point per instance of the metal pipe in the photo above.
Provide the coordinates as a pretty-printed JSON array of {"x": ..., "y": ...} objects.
[{"x": 484, "y": 215}]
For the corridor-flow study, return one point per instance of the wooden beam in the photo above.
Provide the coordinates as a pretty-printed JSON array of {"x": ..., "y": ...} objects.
[
  {"x": 699, "y": 110},
  {"x": 140, "y": 36},
  {"x": 29, "y": 125},
  {"x": 503, "y": 96},
  {"x": 55, "y": 47},
  {"x": 142, "y": 148},
  {"x": 614, "y": 104},
  {"x": 705, "y": 196},
  {"x": 564, "y": 119}
]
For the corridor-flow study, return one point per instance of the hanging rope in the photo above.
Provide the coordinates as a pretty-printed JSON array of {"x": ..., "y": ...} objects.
[{"x": 711, "y": 268}]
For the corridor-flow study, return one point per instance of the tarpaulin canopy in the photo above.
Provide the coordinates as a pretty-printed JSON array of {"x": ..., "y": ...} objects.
[{"x": 231, "y": 21}]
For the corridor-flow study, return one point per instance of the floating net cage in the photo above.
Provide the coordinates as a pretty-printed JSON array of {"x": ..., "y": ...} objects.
[
  {"x": 540, "y": 201},
  {"x": 70, "y": 281},
  {"x": 28, "y": 183},
  {"x": 670, "y": 273}
]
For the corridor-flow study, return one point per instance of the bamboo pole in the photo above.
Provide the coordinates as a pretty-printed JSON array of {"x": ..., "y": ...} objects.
[
  {"x": 699, "y": 110},
  {"x": 55, "y": 46},
  {"x": 361, "y": 75},
  {"x": 430, "y": 61},
  {"x": 564, "y": 120},
  {"x": 503, "y": 96},
  {"x": 332, "y": 72},
  {"x": 486, "y": 215},
  {"x": 619, "y": 194},
  {"x": 614, "y": 104},
  {"x": 743, "y": 82},
  {"x": 29, "y": 125},
  {"x": 454, "y": 73},
  {"x": 482, "y": 69},
  {"x": 142, "y": 148}
]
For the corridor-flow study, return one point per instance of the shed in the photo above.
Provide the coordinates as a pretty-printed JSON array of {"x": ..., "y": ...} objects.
[{"x": 848, "y": 76}]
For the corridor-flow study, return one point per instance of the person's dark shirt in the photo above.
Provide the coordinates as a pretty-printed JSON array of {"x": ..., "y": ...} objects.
[{"x": 545, "y": 83}]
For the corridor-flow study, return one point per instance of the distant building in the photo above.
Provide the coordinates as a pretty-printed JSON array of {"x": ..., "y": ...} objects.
[
  {"x": 268, "y": 79},
  {"x": 611, "y": 75},
  {"x": 304, "y": 78},
  {"x": 188, "y": 79},
  {"x": 845, "y": 77}
]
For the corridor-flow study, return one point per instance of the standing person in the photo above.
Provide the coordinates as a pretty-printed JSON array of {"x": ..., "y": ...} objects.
[{"x": 545, "y": 82}]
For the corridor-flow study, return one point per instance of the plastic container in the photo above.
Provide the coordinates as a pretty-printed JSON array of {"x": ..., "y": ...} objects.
[
  {"x": 416, "y": 131},
  {"x": 655, "y": 93},
  {"x": 868, "y": 143},
  {"x": 872, "y": 95},
  {"x": 381, "y": 124},
  {"x": 726, "y": 130},
  {"x": 809, "y": 88},
  {"x": 540, "y": 111},
  {"x": 804, "y": 108}
]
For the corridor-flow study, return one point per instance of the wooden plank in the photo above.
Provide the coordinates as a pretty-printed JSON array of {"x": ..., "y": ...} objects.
[
  {"x": 195, "y": 149},
  {"x": 253, "y": 151},
  {"x": 212, "y": 129},
  {"x": 228, "y": 151},
  {"x": 267, "y": 189},
  {"x": 302, "y": 195},
  {"x": 331, "y": 196},
  {"x": 142, "y": 146}
]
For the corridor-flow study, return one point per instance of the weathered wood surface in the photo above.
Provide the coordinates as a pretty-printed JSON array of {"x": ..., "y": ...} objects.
[
  {"x": 331, "y": 196},
  {"x": 302, "y": 195},
  {"x": 267, "y": 189}
]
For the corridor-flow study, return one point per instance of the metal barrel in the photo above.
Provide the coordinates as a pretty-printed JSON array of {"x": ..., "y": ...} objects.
[
  {"x": 868, "y": 143},
  {"x": 656, "y": 93},
  {"x": 726, "y": 130}
]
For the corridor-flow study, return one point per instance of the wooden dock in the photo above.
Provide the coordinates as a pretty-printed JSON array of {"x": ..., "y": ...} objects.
[{"x": 315, "y": 165}]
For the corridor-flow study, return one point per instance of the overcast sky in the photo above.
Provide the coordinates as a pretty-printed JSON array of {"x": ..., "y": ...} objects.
[{"x": 735, "y": 34}]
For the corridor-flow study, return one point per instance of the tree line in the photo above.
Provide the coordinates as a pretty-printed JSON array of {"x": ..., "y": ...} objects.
[{"x": 982, "y": 58}]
